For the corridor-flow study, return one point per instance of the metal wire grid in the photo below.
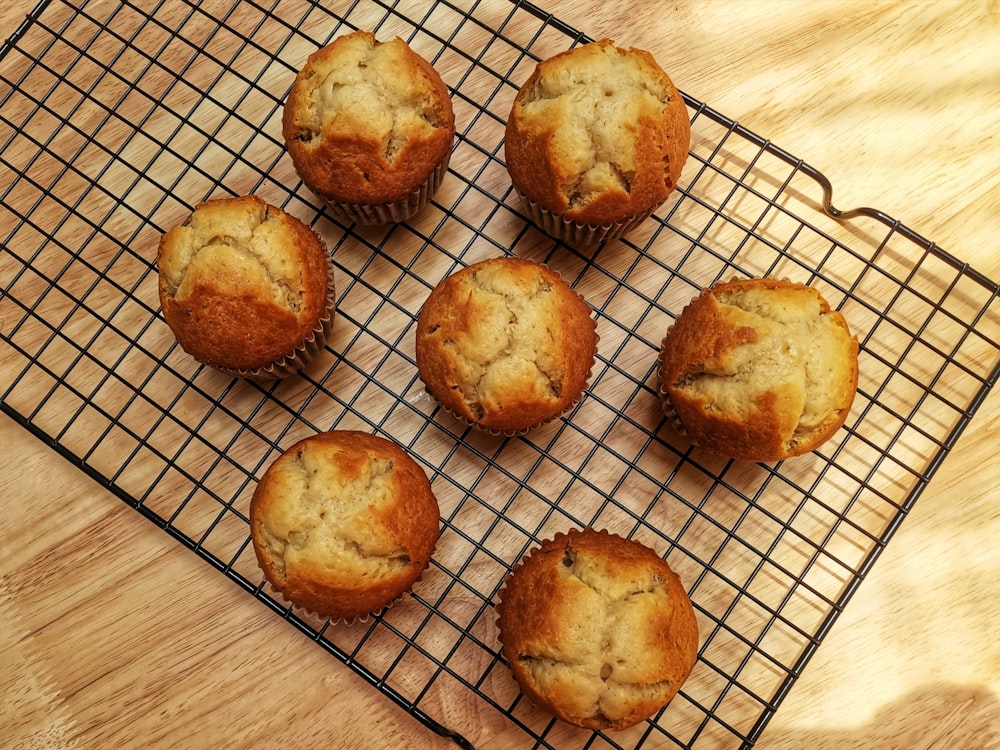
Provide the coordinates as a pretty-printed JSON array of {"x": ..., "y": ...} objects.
[{"x": 115, "y": 120}]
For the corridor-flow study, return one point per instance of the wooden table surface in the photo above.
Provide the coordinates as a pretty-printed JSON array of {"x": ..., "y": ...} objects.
[{"x": 899, "y": 104}]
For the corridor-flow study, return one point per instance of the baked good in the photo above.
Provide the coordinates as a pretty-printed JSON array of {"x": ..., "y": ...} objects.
[
  {"x": 246, "y": 287},
  {"x": 759, "y": 369},
  {"x": 595, "y": 141},
  {"x": 597, "y": 629},
  {"x": 505, "y": 344},
  {"x": 343, "y": 523},
  {"x": 369, "y": 127}
]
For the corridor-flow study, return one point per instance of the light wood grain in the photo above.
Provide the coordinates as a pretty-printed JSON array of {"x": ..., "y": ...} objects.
[{"x": 899, "y": 104}]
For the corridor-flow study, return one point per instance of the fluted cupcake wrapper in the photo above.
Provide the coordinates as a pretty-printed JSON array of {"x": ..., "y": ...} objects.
[
  {"x": 665, "y": 402},
  {"x": 369, "y": 214},
  {"x": 575, "y": 233},
  {"x": 338, "y": 620},
  {"x": 362, "y": 618}
]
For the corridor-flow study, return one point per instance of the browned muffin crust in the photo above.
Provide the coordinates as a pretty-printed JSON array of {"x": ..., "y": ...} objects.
[
  {"x": 597, "y": 629},
  {"x": 759, "y": 369},
  {"x": 597, "y": 134},
  {"x": 343, "y": 522},
  {"x": 242, "y": 284},
  {"x": 505, "y": 344},
  {"x": 367, "y": 121}
]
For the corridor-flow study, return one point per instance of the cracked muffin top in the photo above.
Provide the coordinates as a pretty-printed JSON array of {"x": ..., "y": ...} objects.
[
  {"x": 597, "y": 629},
  {"x": 367, "y": 121},
  {"x": 597, "y": 134},
  {"x": 759, "y": 369},
  {"x": 505, "y": 344},
  {"x": 343, "y": 523},
  {"x": 244, "y": 285}
]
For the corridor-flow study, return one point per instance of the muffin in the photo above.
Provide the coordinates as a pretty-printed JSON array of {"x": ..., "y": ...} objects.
[
  {"x": 369, "y": 127},
  {"x": 595, "y": 142},
  {"x": 246, "y": 288},
  {"x": 597, "y": 629},
  {"x": 505, "y": 344},
  {"x": 343, "y": 523},
  {"x": 759, "y": 369}
]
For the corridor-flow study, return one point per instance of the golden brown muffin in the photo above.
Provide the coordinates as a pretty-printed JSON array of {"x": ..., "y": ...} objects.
[
  {"x": 597, "y": 629},
  {"x": 596, "y": 140},
  {"x": 246, "y": 288},
  {"x": 369, "y": 127},
  {"x": 505, "y": 344},
  {"x": 759, "y": 369},
  {"x": 343, "y": 523}
]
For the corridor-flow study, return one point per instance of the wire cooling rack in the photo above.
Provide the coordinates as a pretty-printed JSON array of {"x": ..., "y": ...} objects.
[{"x": 115, "y": 120}]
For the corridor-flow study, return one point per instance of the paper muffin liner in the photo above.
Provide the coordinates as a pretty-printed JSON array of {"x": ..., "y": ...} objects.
[
  {"x": 666, "y": 404},
  {"x": 303, "y": 354},
  {"x": 575, "y": 233},
  {"x": 369, "y": 214},
  {"x": 349, "y": 621},
  {"x": 524, "y": 430}
]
